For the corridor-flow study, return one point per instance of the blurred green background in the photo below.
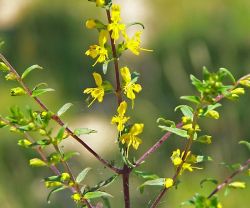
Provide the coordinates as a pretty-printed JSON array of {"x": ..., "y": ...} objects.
[{"x": 185, "y": 35}]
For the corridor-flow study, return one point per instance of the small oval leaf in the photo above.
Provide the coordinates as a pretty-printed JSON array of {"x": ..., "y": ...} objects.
[{"x": 30, "y": 69}]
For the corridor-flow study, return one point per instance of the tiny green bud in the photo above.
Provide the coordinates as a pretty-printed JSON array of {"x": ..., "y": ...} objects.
[
  {"x": 17, "y": 91},
  {"x": 2, "y": 124},
  {"x": 24, "y": 143},
  {"x": 42, "y": 132},
  {"x": 35, "y": 162},
  {"x": 31, "y": 126},
  {"x": 13, "y": 129},
  {"x": 3, "y": 67},
  {"x": 10, "y": 76}
]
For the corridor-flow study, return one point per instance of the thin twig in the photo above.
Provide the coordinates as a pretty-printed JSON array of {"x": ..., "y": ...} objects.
[
  {"x": 230, "y": 178},
  {"x": 58, "y": 119}
]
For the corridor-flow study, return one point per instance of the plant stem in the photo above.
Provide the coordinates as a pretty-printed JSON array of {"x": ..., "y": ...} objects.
[
  {"x": 58, "y": 119},
  {"x": 230, "y": 178},
  {"x": 126, "y": 170},
  {"x": 155, "y": 146},
  {"x": 116, "y": 65}
]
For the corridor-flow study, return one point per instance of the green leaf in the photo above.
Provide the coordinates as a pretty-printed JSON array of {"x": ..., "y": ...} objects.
[
  {"x": 197, "y": 83},
  {"x": 105, "y": 67},
  {"x": 105, "y": 183},
  {"x": 234, "y": 166},
  {"x": 193, "y": 99},
  {"x": 166, "y": 122},
  {"x": 144, "y": 175},
  {"x": 82, "y": 175},
  {"x": 40, "y": 85},
  {"x": 81, "y": 131},
  {"x": 30, "y": 69},
  {"x": 96, "y": 194},
  {"x": 135, "y": 76},
  {"x": 69, "y": 155},
  {"x": 60, "y": 134},
  {"x": 247, "y": 144},
  {"x": 225, "y": 72},
  {"x": 211, "y": 180},
  {"x": 39, "y": 92},
  {"x": 1, "y": 44},
  {"x": 57, "y": 189},
  {"x": 155, "y": 182},
  {"x": 179, "y": 132},
  {"x": 202, "y": 158},
  {"x": 64, "y": 108},
  {"x": 42, "y": 143},
  {"x": 186, "y": 110},
  {"x": 205, "y": 139}
]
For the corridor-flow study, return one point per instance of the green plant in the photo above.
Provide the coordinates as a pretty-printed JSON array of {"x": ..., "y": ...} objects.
[{"x": 214, "y": 87}]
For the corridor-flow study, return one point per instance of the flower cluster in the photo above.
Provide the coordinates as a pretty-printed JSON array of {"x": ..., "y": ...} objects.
[{"x": 103, "y": 53}]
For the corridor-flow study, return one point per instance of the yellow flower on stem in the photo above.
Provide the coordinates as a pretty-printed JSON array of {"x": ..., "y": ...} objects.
[
  {"x": 97, "y": 92},
  {"x": 115, "y": 27},
  {"x": 120, "y": 119},
  {"x": 130, "y": 87},
  {"x": 131, "y": 138},
  {"x": 99, "y": 50},
  {"x": 169, "y": 182},
  {"x": 177, "y": 159},
  {"x": 133, "y": 44}
]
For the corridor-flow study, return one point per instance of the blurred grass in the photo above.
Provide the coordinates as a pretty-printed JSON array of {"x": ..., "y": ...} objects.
[{"x": 185, "y": 35}]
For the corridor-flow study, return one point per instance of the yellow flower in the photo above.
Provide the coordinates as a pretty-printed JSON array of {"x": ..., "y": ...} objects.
[
  {"x": 120, "y": 119},
  {"x": 76, "y": 197},
  {"x": 133, "y": 44},
  {"x": 177, "y": 160},
  {"x": 97, "y": 92},
  {"x": 99, "y": 50},
  {"x": 169, "y": 182},
  {"x": 131, "y": 138},
  {"x": 115, "y": 13},
  {"x": 129, "y": 86},
  {"x": 115, "y": 27}
]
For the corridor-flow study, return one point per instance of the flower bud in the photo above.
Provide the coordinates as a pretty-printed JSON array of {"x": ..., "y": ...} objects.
[
  {"x": 169, "y": 182},
  {"x": 245, "y": 83},
  {"x": 35, "y": 162},
  {"x": 42, "y": 132},
  {"x": 76, "y": 197},
  {"x": 3, "y": 67},
  {"x": 18, "y": 91},
  {"x": 238, "y": 91},
  {"x": 100, "y": 3},
  {"x": 65, "y": 176},
  {"x": 50, "y": 184},
  {"x": 2, "y": 124},
  {"x": 10, "y": 76},
  {"x": 90, "y": 24},
  {"x": 24, "y": 143},
  {"x": 213, "y": 114}
]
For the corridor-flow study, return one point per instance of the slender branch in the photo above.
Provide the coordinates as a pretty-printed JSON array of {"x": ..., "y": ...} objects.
[
  {"x": 58, "y": 119},
  {"x": 126, "y": 170},
  {"x": 116, "y": 65},
  {"x": 155, "y": 146},
  {"x": 158, "y": 199},
  {"x": 230, "y": 178}
]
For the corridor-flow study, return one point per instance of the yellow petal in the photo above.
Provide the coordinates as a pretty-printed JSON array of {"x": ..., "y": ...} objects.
[
  {"x": 137, "y": 129},
  {"x": 136, "y": 142},
  {"x": 137, "y": 87},
  {"x": 103, "y": 37},
  {"x": 122, "y": 108},
  {"x": 169, "y": 182},
  {"x": 98, "y": 79},
  {"x": 126, "y": 74}
]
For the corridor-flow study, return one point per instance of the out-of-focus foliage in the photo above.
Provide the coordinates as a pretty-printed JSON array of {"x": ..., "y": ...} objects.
[{"x": 185, "y": 36}]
